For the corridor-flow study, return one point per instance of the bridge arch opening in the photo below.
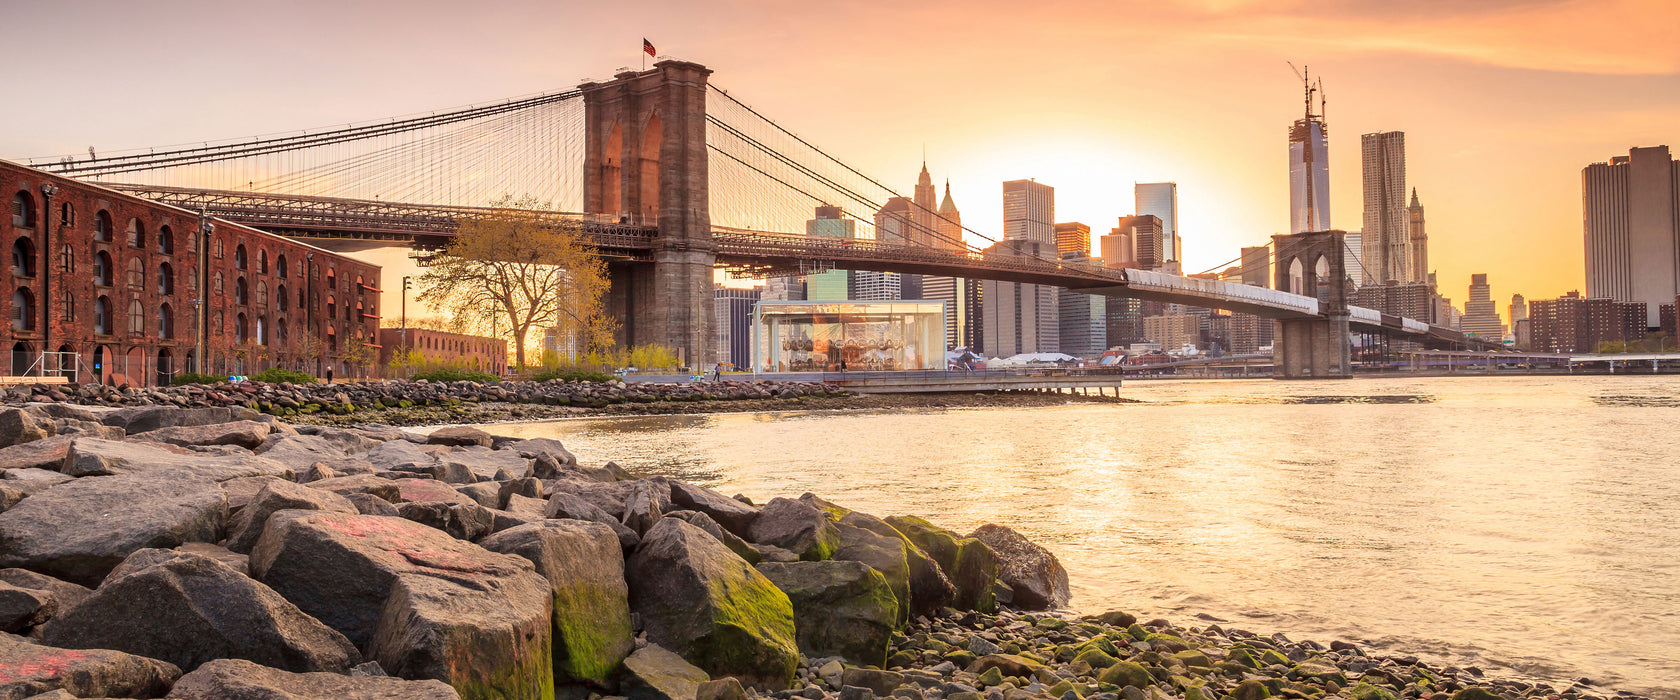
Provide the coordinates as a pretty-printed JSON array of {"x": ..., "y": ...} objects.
[
  {"x": 648, "y": 197},
  {"x": 1321, "y": 279},
  {"x": 1297, "y": 283}
]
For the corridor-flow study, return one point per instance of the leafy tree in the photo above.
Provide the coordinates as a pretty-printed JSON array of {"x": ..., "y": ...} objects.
[{"x": 523, "y": 266}]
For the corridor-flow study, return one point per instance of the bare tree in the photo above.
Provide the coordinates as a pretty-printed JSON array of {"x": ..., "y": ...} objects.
[{"x": 525, "y": 266}]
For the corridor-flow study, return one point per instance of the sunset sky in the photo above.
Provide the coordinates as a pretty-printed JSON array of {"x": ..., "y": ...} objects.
[{"x": 1502, "y": 101}]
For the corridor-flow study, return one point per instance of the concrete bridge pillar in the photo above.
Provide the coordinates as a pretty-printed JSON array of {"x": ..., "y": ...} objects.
[
  {"x": 645, "y": 163},
  {"x": 1312, "y": 348}
]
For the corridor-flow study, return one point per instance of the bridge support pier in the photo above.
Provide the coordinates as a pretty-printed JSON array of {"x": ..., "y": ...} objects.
[
  {"x": 1318, "y": 347},
  {"x": 1312, "y": 348}
]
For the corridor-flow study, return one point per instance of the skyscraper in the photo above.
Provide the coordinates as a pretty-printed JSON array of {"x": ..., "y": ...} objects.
[
  {"x": 1481, "y": 314},
  {"x": 1134, "y": 242},
  {"x": 1387, "y": 237},
  {"x": 961, "y": 296},
  {"x": 1020, "y": 318},
  {"x": 924, "y": 214},
  {"x": 1352, "y": 249},
  {"x": 1082, "y": 318},
  {"x": 1257, "y": 266},
  {"x": 833, "y": 285},
  {"x": 894, "y": 225},
  {"x": 1029, "y": 212},
  {"x": 1073, "y": 237},
  {"x": 1309, "y": 169},
  {"x": 1160, "y": 199},
  {"x": 733, "y": 324},
  {"x": 1632, "y": 228},
  {"x": 1419, "y": 240}
]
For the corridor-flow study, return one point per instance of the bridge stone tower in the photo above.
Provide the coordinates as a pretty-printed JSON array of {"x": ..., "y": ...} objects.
[
  {"x": 1312, "y": 348},
  {"x": 645, "y": 164}
]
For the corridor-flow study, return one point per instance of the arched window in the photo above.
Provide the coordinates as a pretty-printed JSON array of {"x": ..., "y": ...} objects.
[
  {"x": 136, "y": 317},
  {"x": 23, "y": 309},
  {"x": 102, "y": 228},
  {"x": 67, "y": 302},
  {"x": 165, "y": 279},
  {"x": 136, "y": 234},
  {"x": 23, "y": 257},
  {"x": 217, "y": 284},
  {"x": 66, "y": 214},
  {"x": 165, "y": 321},
  {"x": 332, "y": 306},
  {"x": 23, "y": 209},
  {"x": 262, "y": 293},
  {"x": 280, "y": 299},
  {"x": 240, "y": 332},
  {"x": 136, "y": 273},
  {"x": 262, "y": 262},
  {"x": 262, "y": 330},
  {"x": 218, "y": 248},
  {"x": 280, "y": 330},
  {"x": 166, "y": 241},
  {"x": 280, "y": 266},
  {"x": 102, "y": 271},
  {"x": 1297, "y": 277},
  {"x": 332, "y": 278},
  {"x": 239, "y": 260},
  {"x": 102, "y": 316},
  {"x": 332, "y": 338},
  {"x": 241, "y": 292},
  {"x": 66, "y": 259}
]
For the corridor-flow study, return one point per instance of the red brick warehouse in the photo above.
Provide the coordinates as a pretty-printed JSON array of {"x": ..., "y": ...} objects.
[{"x": 108, "y": 285}]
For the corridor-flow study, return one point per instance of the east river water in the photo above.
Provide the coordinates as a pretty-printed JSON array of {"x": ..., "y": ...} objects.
[{"x": 1511, "y": 523}]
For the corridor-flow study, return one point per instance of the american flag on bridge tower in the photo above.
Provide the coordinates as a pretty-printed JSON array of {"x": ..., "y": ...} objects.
[{"x": 647, "y": 46}]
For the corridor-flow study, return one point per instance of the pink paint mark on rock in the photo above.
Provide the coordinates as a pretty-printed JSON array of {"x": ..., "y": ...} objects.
[{"x": 51, "y": 663}]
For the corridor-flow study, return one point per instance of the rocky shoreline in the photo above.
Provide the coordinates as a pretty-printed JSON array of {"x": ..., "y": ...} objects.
[
  {"x": 219, "y": 552},
  {"x": 406, "y": 403}
]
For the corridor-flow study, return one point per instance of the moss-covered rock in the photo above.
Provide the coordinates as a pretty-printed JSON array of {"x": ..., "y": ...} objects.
[
  {"x": 584, "y": 566},
  {"x": 1250, "y": 690},
  {"x": 1475, "y": 693},
  {"x": 795, "y": 526},
  {"x": 710, "y": 606},
  {"x": 1366, "y": 691},
  {"x": 1194, "y": 658},
  {"x": 1320, "y": 671},
  {"x": 1127, "y": 673},
  {"x": 1096, "y": 658},
  {"x": 840, "y": 608}
]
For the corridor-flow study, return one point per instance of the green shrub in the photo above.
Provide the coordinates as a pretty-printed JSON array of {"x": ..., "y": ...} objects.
[
  {"x": 450, "y": 374},
  {"x": 571, "y": 375},
  {"x": 275, "y": 375},
  {"x": 196, "y": 378}
]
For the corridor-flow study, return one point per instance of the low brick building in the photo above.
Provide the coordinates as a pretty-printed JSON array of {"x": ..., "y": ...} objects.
[
  {"x": 472, "y": 352},
  {"x": 108, "y": 285}
]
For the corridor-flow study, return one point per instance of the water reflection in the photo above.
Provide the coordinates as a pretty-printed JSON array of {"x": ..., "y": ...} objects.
[{"x": 1507, "y": 522}]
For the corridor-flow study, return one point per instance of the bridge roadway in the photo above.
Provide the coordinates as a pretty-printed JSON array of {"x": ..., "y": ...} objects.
[{"x": 425, "y": 226}]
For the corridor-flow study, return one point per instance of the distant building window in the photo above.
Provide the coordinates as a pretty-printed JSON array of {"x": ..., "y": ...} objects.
[
  {"x": 23, "y": 257},
  {"x": 23, "y": 209},
  {"x": 66, "y": 214},
  {"x": 67, "y": 306},
  {"x": 166, "y": 241},
  {"x": 218, "y": 248},
  {"x": 136, "y": 274},
  {"x": 23, "y": 309},
  {"x": 102, "y": 226},
  {"x": 239, "y": 330},
  {"x": 280, "y": 267},
  {"x": 280, "y": 297},
  {"x": 217, "y": 286},
  {"x": 241, "y": 292},
  {"x": 66, "y": 259},
  {"x": 102, "y": 316},
  {"x": 136, "y": 317},
  {"x": 165, "y": 322},
  {"x": 262, "y": 262},
  {"x": 136, "y": 234},
  {"x": 166, "y": 279},
  {"x": 262, "y": 293},
  {"x": 239, "y": 261},
  {"x": 102, "y": 269}
]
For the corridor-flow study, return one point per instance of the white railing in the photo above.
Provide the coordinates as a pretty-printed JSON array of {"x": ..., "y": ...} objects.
[
  {"x": 1360, "y": 313},
  {"x": 1214, "y": 289},
  {"x": 1413, "y": 326}
]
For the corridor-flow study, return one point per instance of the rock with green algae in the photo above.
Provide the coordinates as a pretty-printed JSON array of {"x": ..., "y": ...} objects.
[
  {"x": 886, "y": 555},
  {"x": 700, "y": 600},
  {"x": 990, "y": 677},
  {"x": 1096, "y": 658},
  {"x": 1321, "y": 671},
  {"x": 1193, "y": 658},
  {"x": 1127, "y": 673},
  {"x": 421, "y": 603},
  {"x": 840, "y": 608},
  {"x": 1475, "y": 693},
  {"x": 1250, "y": 689},
  {"x": 1007, "y": 664},
  {"x": 584, "y": 567},
  {"x": 1366, "y": 691},
  {"x": 930, "y": 588},
  {"x": 796, "y": 526},
  {"x": 657, "y": 673}
]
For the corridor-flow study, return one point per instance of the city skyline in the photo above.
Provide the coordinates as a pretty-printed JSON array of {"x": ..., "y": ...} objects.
[{"x": 1502, "y": 104}]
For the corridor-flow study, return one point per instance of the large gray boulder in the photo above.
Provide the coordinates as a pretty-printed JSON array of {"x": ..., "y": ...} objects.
[
  {"x": 68, "y": 595},
  {"x": 1035, "y": 576},
  {"x": 740, "y": 547},
  {"x": 79, "y": 531},
  {"x": 400, "y": 455},
  {"x": 144, "y": 419},
  {"x": 795, "y": 526},
  {"x": 574, "y": 507},
  {"x": 733, "y": 515},
  {"x": 385, "y": 489},
  {"x": 482, "y": 464},
  {"x": 99, "y": 457},
  {"x": 23, "y": 608},
  {"x": 702, "y": 601},
  {"x": 886, "y": 555},
  {"x": 585, "y": 570},
  {"x": 421, "y": 603},
  {"x": 275, "y": 496},
  {"x": 459, "y": 436},
  {"x": 463, "y": 521},
  {"x": 968, "y": 562},
  {"x": 656, "y": 673},
  {"x": 18, "y": 427},
  {"x": 534, "y": 447},
  {"x": 840, "y": 608},
  {"x": 430, "y": 491},
  {"x": 27, "y": 669},
  {"x": 641, "y": 508},
  {"x": 299, "y": 451},
  {"x": 187, "y": 609},
  {"x": 40, "y": 454},
  {"x": 930, "y": 588},
  {"x": 234, "y": 679},
  {"x": 243, "y": 433}
]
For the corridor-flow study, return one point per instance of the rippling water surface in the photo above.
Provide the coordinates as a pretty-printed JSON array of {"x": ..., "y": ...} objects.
[{"x": 1528, "y": 524}]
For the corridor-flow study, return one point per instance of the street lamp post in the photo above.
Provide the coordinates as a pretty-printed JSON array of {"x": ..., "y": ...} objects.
[{"x": 47, "y": 192}]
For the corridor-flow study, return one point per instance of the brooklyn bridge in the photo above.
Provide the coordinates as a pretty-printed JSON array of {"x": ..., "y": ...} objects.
[{"x": 673, "y": 177}]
